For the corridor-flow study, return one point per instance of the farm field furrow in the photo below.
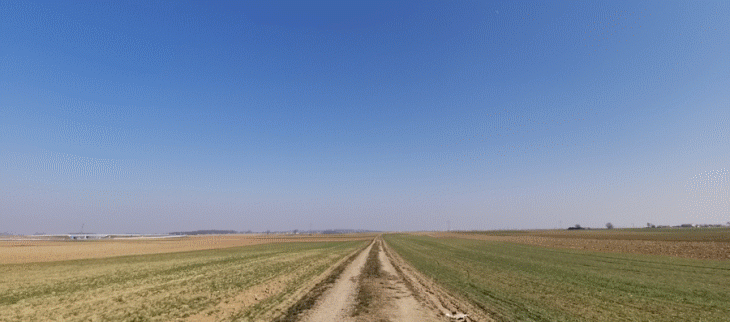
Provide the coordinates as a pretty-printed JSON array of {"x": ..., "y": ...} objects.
[
  {"x": 712, "y": 243},
  {"x": 30, "y": 250},
  {"x": 240, "y": 283},
  {"x": 719, "y": 234},
  {"x": 517, "y": 282}
]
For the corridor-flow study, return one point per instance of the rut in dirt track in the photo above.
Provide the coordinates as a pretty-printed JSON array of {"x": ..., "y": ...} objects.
[
  {"x": 372, "y": 289},
  {"x": 335, "y": 302}
]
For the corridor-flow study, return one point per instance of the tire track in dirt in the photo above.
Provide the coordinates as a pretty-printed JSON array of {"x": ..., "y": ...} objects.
[
  {"x": 432, "y": 295},
  {"x": 335, "y": 303},
  {"x": 400, "y": 302},
  {"x": 375, "y": 287}
]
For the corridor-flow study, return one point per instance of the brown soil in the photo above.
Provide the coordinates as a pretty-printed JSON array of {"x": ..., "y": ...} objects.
[
  {"x": 248, "y": 298},
  {"x": 395, "y": 301},
  {"x": 292, "y": 305},
  {"x": 308, "y": 295},
  {"x": 379, "y": 286},
  {"x": 335, "y": 303},
  {"x": 30, "y": 251},
  {"x": 686, "y": 249},
  {"x": 430, "y": 295}
]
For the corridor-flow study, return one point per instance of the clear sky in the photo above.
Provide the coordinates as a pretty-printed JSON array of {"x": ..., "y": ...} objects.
[{"x": 159, "y": 116}]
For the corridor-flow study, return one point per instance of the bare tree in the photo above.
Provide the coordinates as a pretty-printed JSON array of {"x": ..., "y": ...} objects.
[{"x": 609, "y": 225}]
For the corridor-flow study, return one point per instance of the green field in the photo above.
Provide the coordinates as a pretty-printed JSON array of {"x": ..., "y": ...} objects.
[
  {"x": 242, "y": 283},
  {"x": 515, "y": 282},
  {"x": 720, "y": 234}
]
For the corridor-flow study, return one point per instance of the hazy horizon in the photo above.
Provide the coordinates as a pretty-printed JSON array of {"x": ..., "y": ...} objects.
[{"x": 155, "y": 117}]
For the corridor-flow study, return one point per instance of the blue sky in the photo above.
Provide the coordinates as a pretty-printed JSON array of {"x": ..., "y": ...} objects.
[{"x": 164, "y": 116}]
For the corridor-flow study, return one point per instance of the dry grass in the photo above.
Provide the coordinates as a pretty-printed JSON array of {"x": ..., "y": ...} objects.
[
  {"x": 715, "y": 234},
  {"x": 234, "y": 283},
  {"x": 34, "y": 251},
  {"x": 367, "y": 290},
  {"x": 710, "y": 243}
]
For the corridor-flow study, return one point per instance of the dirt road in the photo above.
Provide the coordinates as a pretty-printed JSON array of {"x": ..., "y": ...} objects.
[
  {"x": 335, "y": 303},
  {"x": 375, "y": 287}
]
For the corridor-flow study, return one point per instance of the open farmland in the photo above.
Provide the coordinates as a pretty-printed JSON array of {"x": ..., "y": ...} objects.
[
  {"x": 698, "y": 243},
  {"x": 377, "y": 285},
  {"x": 719, "y": 234},
  {"x": 30, "y": 250},
  {"x": 518, "y": 282},
  {"x": 252, "y": 282}
]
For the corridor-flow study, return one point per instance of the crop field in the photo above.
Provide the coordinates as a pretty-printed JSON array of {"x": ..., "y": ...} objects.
[
  {"x": 253, "y": 282},
  {"x": 29, "y": 250},
  {"x": 617, "y": 275},
  {"x": 719, "y": 234},
  {"x": 697, "y": 243},
  {"x": 519, "y": 282}
]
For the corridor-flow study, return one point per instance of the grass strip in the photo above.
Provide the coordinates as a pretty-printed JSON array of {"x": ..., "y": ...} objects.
[{"x": 366, "y": 291}]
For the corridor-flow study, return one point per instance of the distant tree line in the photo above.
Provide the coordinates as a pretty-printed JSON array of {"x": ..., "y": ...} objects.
[{"x": 650, "y": 225}]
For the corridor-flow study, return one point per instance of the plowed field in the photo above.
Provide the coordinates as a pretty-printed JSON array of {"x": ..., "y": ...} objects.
[
  {"x": 695, "y": 243},
  {"x": 32, "y": 251},
  {"x": 252, "y": 283}
]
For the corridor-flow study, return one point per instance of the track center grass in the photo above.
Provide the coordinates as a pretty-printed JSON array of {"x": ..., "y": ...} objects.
[{"x": 516, "y": 282}]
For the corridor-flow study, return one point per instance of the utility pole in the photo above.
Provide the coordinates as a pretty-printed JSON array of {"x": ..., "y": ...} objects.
[{"x": 448, "y": 225}]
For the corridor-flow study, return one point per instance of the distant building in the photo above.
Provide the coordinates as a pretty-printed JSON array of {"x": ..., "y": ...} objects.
[{"x": 87, "y": 236}]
